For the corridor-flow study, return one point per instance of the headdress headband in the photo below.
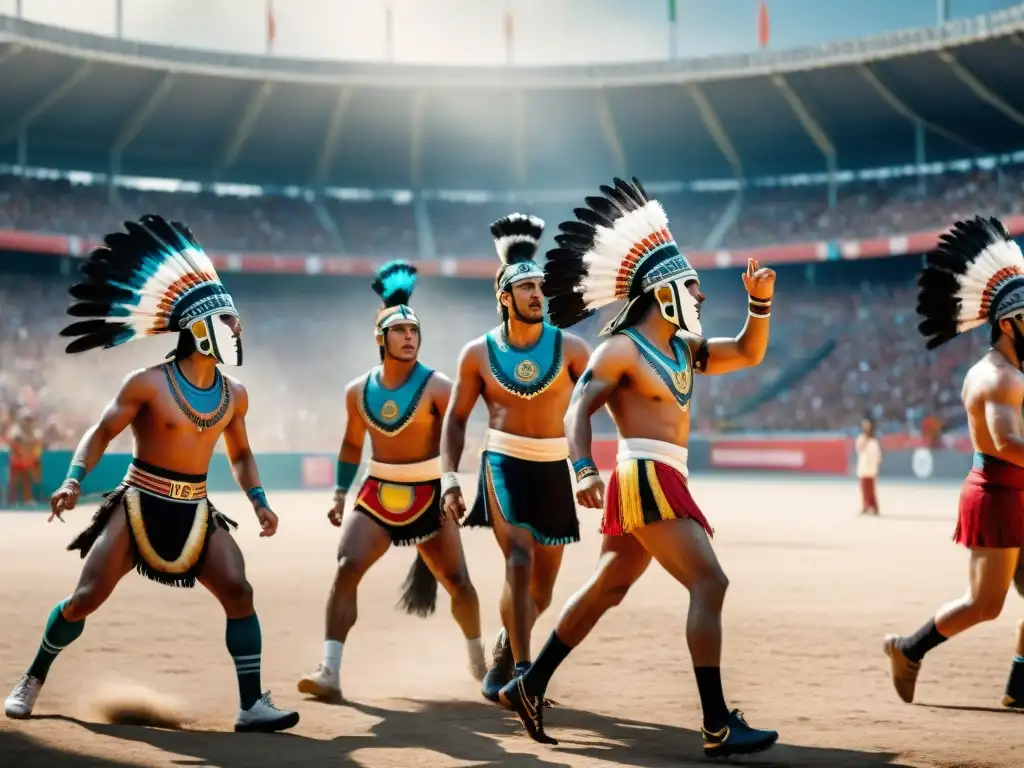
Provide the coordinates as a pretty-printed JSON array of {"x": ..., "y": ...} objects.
[
  {"x": 619, "y": 247},
  {"x": 394, "y": 283},
  {"x": 516, "y": 238},
  {"x": 152, "y": 279},
  {"x": 975, "y": 275}
]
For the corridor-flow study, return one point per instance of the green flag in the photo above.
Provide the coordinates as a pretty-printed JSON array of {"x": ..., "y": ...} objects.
[{"x": 672, "y": 11}]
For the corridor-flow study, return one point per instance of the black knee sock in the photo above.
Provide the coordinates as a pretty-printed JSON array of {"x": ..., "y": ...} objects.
[
  {"x": 551, "y": 656},
  {"x": 1015, "y": 685},
  {"x": 712, "y": 698},
  {"x": 922, "y": 641},
  {"x": 245, "y": 644}
]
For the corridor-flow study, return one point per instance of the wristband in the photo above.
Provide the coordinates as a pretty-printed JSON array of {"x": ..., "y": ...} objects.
[
  {"x": 258, "y": 497},
  {"x": 584, "y": 468},
  {"x": 449, "y": 482},
  {"x": 760, "y": 308},
  {"x": 76, "y": 474},
  {"x": 344, "y": 474}
]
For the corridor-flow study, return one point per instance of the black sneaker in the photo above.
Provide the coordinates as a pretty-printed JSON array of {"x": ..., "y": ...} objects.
[
  {"x": 502, "y": 668},
  {"x": 529, "y": 709},
  {"x": 736, "y": 738}
]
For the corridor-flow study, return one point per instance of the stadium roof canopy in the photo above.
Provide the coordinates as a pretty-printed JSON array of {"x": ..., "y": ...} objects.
[{"x": 78, "y": 101}]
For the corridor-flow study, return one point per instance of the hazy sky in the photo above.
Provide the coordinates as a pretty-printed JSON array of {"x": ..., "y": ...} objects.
[{"x": 471, "y": 31}]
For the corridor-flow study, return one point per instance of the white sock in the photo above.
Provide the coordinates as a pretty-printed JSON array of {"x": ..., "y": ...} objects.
[
  {"x": 332, "y": 655},
  {"x": 476, "y": 650}
]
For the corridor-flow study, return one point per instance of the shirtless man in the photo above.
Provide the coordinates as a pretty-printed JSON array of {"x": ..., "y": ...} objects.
[
  {"x": 621, "y": 248},
  {"x": 154, "y": 280},
  {"x": 401, "y": 404},
  {"x": 525, "y": 370},
  {"x": 976, "y": 276}
]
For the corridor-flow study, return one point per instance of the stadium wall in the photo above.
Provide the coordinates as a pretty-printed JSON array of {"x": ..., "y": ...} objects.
[{"x": 803, "y": 455}]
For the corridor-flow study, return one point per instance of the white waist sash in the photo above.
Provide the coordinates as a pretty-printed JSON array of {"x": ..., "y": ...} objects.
[
  {"x": 526, "y": 448},
  {"x": 420, "y": 472},
  {"x": 633, "y": 448}
]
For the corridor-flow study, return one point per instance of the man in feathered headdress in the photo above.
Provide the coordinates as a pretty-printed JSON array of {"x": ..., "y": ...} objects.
[
  {"x": 155, "y": 279},
  {"x": 524, "y": 370},
  {"x": 401, "y": 404},
  {"x": 620, "y": 248},
  {"x": 976, "y": 276}
]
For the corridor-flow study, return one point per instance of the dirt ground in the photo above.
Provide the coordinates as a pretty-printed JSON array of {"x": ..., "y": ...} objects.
[{"x": 814, "y": 589}]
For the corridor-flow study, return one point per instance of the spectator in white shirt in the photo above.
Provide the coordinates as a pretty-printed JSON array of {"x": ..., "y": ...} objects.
[{"x": 869, "y": 461}]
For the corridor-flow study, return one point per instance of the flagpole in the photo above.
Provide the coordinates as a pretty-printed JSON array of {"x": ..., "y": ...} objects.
[
  {"x": 508, "y": 32},
  {"x": 389, "y": 32},
  {"x": 673, "y": 31}
]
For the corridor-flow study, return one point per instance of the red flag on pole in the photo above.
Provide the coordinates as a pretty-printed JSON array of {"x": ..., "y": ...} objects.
[
  {"x": 509, "y": 31},
  {"x": 271, "y": 26},
  {"x": 763, "y": 31}
]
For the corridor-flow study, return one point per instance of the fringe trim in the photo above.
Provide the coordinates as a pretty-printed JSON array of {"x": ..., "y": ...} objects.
[
  {"x": 631, "y": 511},
  {"x": 665, "y": 510},
  {"x": 415, "y": 541},
  {"x": 84, "y": 542}
]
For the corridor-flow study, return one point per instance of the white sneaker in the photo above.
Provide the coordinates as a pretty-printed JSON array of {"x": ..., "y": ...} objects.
[
  {"x": 324, "y": 684},
  {"x": 264, "y": 717},
  {"x": 22, "y": 700}
]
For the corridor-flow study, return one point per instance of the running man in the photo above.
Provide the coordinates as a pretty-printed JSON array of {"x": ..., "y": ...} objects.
[
  {"x": 156, "y": 279},
  {"x": 620, "y": 247},
  {"x": 525, "y": 371},
  {"x": 401, "y": 404}
]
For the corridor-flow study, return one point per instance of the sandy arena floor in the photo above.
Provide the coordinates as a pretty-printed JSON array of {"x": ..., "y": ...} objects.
[{"x": 814, "y": 589}]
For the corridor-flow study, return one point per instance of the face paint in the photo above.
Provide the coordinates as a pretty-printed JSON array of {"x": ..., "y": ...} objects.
[
  {"x": 678, "y": 306},
  {"x": 216, "y": 338}
]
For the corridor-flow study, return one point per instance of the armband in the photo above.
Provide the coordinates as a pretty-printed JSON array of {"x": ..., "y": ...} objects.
[
  {"x": 584, "y": 468},
  {"x": 760, "y": 308},
  {"x": 258, "y": 497},
  {"x": 76, "y": 474},
  {"x": 344, "y": 475},
  {"x": 449, "y": 482}
]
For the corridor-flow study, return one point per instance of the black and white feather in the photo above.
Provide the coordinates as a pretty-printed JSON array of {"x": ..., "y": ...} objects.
[
  {"x": 394, "y": 282},
  {"x": 517, "y": 237},
  {"x": 975, "y": 275},
  {"x": 153, "y": 278},
  {"x": 612, "y": 251}
]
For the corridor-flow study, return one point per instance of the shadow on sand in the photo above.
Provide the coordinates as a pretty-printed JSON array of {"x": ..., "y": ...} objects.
[{"x": 464, "y": 731}]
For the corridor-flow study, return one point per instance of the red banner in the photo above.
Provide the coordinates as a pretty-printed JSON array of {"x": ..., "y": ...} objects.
[
  {"x": 334, "y": 264},
  {"x": 827, "y": 455}
]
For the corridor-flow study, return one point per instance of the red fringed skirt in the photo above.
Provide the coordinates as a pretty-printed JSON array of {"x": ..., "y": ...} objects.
[
  {"x": 991, "y": 505},
  {"x": 641, "y": 492}
]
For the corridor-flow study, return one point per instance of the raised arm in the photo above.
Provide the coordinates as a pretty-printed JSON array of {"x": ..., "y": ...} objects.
[
  {"x": 725, "y": 355},
  {"x": 468, "y": 387},
  {"x": 1003, "y": 399},
  {"x": 606, "y": 371}
]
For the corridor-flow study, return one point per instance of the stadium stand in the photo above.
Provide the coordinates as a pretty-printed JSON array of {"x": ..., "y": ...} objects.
[{"x": 843, "y": 344}]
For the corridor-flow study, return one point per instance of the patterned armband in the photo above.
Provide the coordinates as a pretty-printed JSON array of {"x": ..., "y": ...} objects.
[
  {"x": 449, "y": 482},
  {"x": 344, "y": 474},
  {"x": 258, "y": 497},
  {"x": 584, "y": 468},
  {"x": 76, "y": 474},
  {"x": 760, "y": 308}
]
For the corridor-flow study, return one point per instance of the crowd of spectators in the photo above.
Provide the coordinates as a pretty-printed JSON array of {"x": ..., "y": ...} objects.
[
  {"x": 306, "y": 337},
  {"x": 382, "y": 228}
]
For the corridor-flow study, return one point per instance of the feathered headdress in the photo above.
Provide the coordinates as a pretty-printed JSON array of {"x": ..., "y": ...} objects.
[
  {"x": 619, "y": 247},
  {"x": 516, "y": 238},
  {"x": 394, "y": 283},
  {"x": 152, "y": 279},
  {"x": 975, "y": 275}
]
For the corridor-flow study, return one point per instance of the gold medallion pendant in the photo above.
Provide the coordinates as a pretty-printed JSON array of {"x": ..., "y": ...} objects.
[
  {"x": 389, "y": 410},
  {"x": 682, "y": 380},
  {"x": 526, "y": 371}
]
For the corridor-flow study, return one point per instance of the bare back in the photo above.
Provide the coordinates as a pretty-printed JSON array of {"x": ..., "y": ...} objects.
[
  {"x": 993, "y": 395},
  {"x": 539, "y": 416}
]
